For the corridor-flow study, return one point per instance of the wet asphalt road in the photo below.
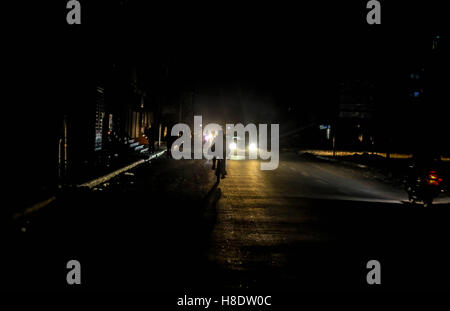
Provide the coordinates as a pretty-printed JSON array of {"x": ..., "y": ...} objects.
[{"x": 310, "y": 224}]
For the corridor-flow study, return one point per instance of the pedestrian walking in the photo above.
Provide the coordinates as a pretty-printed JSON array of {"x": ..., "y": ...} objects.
[{"x": 219, "y": 165}]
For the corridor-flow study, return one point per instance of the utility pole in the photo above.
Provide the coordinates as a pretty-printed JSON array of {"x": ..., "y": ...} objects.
[{"x": 334, "y": 140}]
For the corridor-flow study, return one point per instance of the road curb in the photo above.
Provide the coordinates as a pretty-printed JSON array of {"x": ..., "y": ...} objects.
[
  {"x": 379, "y": 174},
  {"x": 100, "y": 180},
  {"x": 91, "y": 184}
]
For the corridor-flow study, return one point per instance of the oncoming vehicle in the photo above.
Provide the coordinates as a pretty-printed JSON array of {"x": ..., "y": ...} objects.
[{"x": 239, "y": 152}]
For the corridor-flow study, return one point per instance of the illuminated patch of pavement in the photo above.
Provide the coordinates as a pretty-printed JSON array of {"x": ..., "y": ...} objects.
[{"x": 263, "y": 216}]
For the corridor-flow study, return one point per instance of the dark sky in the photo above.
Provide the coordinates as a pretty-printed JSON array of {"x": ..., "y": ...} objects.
[{"x": 267, "y": 53}]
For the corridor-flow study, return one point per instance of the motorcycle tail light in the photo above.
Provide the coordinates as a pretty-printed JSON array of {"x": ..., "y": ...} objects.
[
  {"x": 433, "y": 182},
  {"x": 433, "y": 178}
]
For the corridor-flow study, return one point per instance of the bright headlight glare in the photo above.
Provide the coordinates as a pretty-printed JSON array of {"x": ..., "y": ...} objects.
[
  {"x": 252, "y": 146},
  {"x": 233, "y": 146}
]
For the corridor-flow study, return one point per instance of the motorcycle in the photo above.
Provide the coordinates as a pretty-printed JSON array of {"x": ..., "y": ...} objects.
[{"x": 424, "y": 188}]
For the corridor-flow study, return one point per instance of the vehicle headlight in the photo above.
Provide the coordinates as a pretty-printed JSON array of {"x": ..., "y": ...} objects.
[
  {"x": 252, "y": 147},
  {"x": 233, "y": 146}
]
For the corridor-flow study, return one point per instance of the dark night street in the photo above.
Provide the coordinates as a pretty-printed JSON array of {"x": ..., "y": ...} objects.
[
  {"x": 311, "y": 224},
  {"x": 202, "y": 149}
]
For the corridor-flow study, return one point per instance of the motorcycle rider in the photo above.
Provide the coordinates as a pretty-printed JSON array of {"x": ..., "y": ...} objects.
[{"x": 421, "y": 164}]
